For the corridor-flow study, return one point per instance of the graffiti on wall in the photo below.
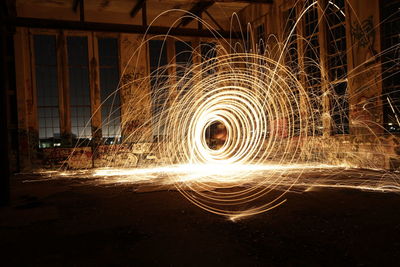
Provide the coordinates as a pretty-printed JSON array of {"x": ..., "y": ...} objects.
[{"x": 363, "y": 32}]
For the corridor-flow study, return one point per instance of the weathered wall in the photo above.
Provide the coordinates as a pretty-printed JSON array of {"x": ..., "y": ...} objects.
[
  {"x": 135, "y": 89},
  {"x": 367, "y": 145},
  {"x": 136, "y": 113},
  {"x": 27, "y": 122}
]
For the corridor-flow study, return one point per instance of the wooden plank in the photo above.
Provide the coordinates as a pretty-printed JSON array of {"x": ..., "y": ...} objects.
[
  {"x": 196, "y": 10},
  {"x": 111, "y": 27},
  {"x": 144, "y": 14},
  {"x": 246, "y": 1},
  {"x": 139, "y": 5},
  {"x": 323, "y": 61},
  {"x": 95, "y": 96}
]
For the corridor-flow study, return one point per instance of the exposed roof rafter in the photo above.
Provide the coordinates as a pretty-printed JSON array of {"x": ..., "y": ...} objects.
[
  {"x": 202, "y": 6},
  {"x": 80, "y": 4},
  {"x": 213, "y": 20},
  {"x": 246, "y": 1},
  {"x": 112, "y": 27},
  {"x": 137, "y": 7},
  {"x": 197, "y": 9}
]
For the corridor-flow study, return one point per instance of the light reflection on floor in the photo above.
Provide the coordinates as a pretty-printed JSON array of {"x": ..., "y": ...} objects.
[{"x": 300, "y": 177}]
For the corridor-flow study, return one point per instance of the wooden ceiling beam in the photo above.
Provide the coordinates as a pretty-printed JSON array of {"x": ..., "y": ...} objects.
[
  {"x": 201, "y": 6},
  {"x": 144, "y": 14},
  {"x": 213, "y": 20},
  {"x": 113, "y": 27},
  {"x": 137, "y": 7},
  {"x": 246, "y": 1},
  {"x": 197, "y": 9},
  {"x": 80, "y": 4}
]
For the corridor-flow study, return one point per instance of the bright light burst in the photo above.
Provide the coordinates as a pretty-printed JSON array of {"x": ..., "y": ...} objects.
[{"x": 273, "y": 125}]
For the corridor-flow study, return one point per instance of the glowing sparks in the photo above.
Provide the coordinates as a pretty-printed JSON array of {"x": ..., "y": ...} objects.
[
  {"x": 272, "y": 123},
  {"x": 223, "y": 173},
  {"x": 394, "y": 112}
]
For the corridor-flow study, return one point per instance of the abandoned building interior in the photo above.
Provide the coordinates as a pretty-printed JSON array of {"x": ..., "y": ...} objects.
[
  {"x": 118, "y": 84},
  {"x": 65, "y": 73}
]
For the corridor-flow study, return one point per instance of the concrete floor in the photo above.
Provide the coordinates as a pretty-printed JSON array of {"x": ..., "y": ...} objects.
[{"x": 74, "y": 222}]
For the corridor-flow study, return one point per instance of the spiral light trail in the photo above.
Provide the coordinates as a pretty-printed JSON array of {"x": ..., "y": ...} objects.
[
  {"x": 271, "y": 121},
  {"x": 248, "y": 98}
]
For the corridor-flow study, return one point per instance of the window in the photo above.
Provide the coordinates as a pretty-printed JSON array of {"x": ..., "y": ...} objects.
[
  {"x": 48, "y": 59},
  {"x": 208, "y": 58},
  {"x": 158, "y": 79},
  {"x": 292, "y": 59},
  {"x": 337, "y": 65},
  {"x": 183, "y": 58},
  {"x": 390, "y": 40},
  {"x": 260, "y": 33},
  {"x": 47, "y": 90},
  {"x": 312, "y": 64},
  {"x": 79, "y": 88},
  {"x": 110, "y": 98},
  {"x": 208, "y": 55}
]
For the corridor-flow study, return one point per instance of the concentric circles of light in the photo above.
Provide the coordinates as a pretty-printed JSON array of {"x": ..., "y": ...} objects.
[{"x": 259, "y": 102}]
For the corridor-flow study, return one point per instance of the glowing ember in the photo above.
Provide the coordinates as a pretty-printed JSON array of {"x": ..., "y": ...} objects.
[{"x": 272, "y": 131}]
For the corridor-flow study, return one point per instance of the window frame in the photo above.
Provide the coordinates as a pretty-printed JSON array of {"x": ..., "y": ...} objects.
[
  {"x": 306, "y": 46},
  {"x": 344, "y": 124},
  {"x": 386, "y": 91},
  {"x": 97, "y": 112},
  {"x": 64, "y": 102},
  {"x": 60, "y": 85},
  {"x": 89, "y": 36}
]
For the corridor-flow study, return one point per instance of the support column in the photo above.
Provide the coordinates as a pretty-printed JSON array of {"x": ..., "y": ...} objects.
[
  {"x": 24, "y": 96},
  {"x": 364, "y": 67},
  {"x": 135, "y": 89},
  {"x": 8, "y": 102},
  {"x": 4, "y": 144},
  {"x": 302, "y": 75},
  {"x": 170, "y": 43},
  {"x": 323, "y": 51},
  {"x": 95, "y": 97},
  {"x": 64, "y": 92}
]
